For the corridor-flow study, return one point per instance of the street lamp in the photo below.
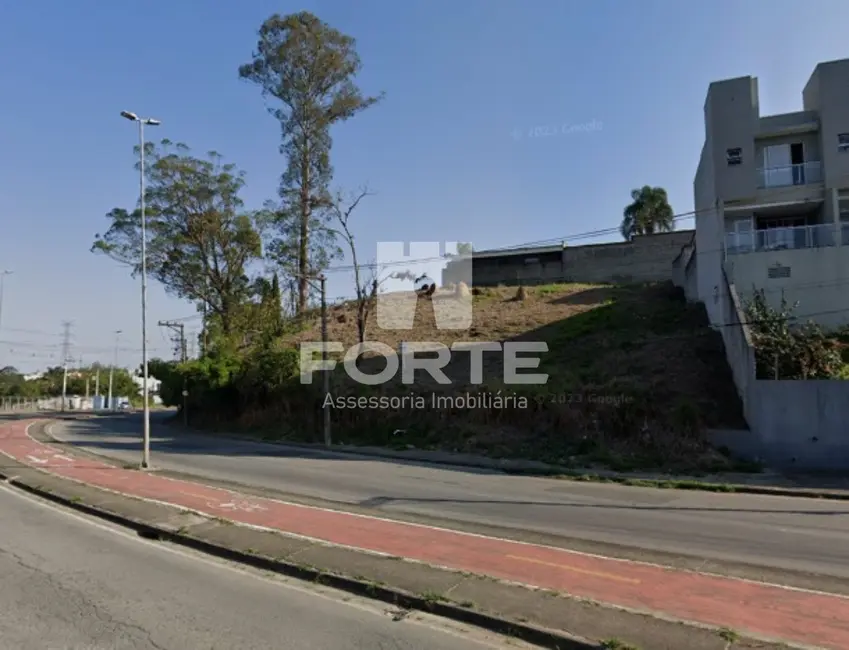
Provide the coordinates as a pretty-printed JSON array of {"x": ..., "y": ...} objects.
[
  {"x": 146, "y": 439},
  {"x": 112, "y": 369}
]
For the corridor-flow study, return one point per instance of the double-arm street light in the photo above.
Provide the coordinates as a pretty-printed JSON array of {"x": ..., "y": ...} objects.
[{"x": 145, "y": 389}]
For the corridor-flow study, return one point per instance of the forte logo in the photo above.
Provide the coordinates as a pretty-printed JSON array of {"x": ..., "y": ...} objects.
[{"x": 406, "y": 361}]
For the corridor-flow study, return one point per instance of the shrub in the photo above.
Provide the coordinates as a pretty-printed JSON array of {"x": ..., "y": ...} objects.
[{"x": 783, "y": 351}]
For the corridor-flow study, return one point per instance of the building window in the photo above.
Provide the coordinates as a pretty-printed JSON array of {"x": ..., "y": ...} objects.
[
  {"x": 734, "y": 156},
  {"x": 843, "y": 141}
]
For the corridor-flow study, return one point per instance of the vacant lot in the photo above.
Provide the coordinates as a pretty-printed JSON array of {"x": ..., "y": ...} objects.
[{"x": 635, "y": 378}]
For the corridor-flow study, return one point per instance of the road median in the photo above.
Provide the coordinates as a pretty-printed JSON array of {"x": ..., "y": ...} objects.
[{"x": 544, "y": 618}]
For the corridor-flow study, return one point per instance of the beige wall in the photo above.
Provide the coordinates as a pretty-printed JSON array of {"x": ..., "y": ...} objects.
[
  {"x": 731, "y": 121},
  {"x": 710, "y": 233},
  {"x": 827, "y": 92},
  {"x": 819, "y": 281}
]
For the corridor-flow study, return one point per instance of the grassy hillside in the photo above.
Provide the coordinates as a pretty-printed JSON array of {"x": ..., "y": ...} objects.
[{"x": 636, "y": 376}]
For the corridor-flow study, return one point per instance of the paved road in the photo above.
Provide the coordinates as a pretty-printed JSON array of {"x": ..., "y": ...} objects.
[
  {"x": 71, "y": 583},
  {"x": 780, "y": 532}
]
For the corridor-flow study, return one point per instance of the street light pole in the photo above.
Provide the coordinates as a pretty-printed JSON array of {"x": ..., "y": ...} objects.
[
  {"x": 112, "y": 370},
  {"x": 145, "y": 388}
]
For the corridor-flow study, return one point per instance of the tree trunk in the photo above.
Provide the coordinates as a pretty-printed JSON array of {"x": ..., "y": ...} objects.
[
  {"x": 361, "y": 321},
  {"x": 303, "y": 242}
]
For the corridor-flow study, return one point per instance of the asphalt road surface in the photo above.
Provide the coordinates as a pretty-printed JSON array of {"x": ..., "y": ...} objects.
[
  {"x": 70, "y": 583},
  {"x": 780, "y": 532}
]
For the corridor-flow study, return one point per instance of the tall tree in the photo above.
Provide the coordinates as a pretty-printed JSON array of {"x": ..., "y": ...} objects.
[
  {"x": 309, "y": 68},
  {"x": 648, "y": 213},
  {"x": 200, "y": 241}
]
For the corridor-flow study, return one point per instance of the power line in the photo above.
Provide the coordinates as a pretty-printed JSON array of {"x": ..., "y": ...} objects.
[
  {"x": 179, "y": 330},
  {"x": 591, "y": 234}
]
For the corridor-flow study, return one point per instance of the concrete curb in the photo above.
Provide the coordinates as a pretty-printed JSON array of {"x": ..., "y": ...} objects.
[{"x": 389, "y": 595}]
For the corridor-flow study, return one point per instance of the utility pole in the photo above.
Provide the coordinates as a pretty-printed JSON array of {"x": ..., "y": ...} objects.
[
  {"x": 112, "y": 370},
  {"x": 87, "y": 379},
  {"x": 66, "y": 357},
  {"x": 326, "y": 382},
  {"x": 205, "y": 343},
  {"x": 322, "y": 279},
  {"x": 180, "y": 330}
]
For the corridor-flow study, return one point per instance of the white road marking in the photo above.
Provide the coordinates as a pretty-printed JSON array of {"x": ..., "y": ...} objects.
[{"x": 245, "y": 506}]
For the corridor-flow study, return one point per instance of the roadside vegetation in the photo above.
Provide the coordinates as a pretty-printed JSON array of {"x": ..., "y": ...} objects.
[
  {"x": 636, "y": 377},
  {"x": 786, "y": 349},
  {"x": 81, "y": 381}
]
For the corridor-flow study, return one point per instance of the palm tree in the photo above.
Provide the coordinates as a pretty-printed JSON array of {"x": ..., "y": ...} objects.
[{"x": 649, "y": 213}]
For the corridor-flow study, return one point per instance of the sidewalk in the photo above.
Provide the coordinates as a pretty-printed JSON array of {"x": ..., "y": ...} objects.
[{"x": 759, "y": 610}]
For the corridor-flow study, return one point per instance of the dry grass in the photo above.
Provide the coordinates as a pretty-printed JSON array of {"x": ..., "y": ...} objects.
[
  {"x": 496, "y": 315},
  {"x": 636, "y": 375}
]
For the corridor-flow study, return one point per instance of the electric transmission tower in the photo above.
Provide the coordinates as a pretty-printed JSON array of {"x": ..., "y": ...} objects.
[{"x": 179, "y": 330}]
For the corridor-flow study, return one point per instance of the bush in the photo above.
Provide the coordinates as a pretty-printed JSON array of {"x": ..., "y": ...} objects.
[{"x": 786, "y": 352}]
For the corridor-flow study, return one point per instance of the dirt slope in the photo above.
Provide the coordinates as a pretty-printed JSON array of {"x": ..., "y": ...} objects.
[{"x": 635, "y": 378}]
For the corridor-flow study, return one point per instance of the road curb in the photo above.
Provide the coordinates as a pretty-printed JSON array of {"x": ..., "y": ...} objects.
[
  {"x": 719, "y": 488},
  {"x": 544, "y": 470},
  {"x": 524, "y": 631}
]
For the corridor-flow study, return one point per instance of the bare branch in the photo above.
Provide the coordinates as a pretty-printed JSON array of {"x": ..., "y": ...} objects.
[{"x": 342, "y": 210}]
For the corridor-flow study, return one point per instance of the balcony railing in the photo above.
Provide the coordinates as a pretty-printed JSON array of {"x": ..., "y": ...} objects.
[
  {"x": 778, "y": 239},
  {"x": 801, "y": 174}
]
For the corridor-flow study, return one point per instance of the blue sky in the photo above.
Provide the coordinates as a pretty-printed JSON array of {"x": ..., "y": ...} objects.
[{"x": 448, "y": 150}]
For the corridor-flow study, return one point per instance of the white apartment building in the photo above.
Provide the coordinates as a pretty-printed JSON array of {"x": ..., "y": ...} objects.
[{"x": 772, "y": 197}]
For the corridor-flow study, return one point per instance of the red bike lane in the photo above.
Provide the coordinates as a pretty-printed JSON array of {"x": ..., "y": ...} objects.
[{"x": 763, "y": 610}]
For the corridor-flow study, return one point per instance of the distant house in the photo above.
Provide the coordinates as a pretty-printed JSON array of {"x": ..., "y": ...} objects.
[{"x": 153, "y": 383}]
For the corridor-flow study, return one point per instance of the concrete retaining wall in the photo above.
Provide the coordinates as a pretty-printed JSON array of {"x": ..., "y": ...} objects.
[
  {"x": 793, "y": 424},
  {"x": 645, "y": 259},
  {"x": 802, "y": 424},
  {"x": 685, "y": 272}
]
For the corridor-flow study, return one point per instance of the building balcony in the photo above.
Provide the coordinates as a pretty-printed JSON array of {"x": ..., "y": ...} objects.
[
  {"x": 789, "y": 175},
  {"x": 822, "y": 235}
]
